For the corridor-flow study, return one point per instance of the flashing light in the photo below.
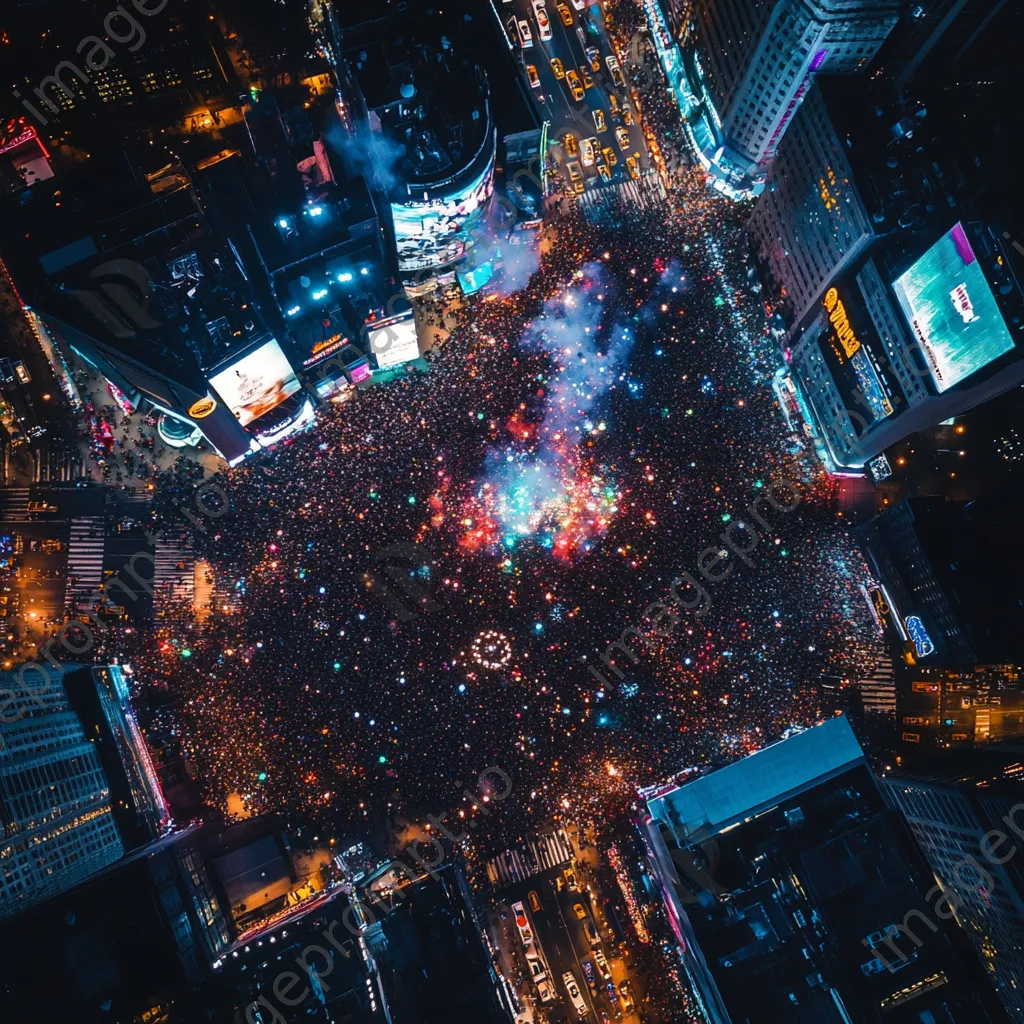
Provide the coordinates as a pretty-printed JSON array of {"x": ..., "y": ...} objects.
[
  {"x": 315, "y": 211},
  {"x": 320, "y": 294},
  {"x": 345, "y": 277},
  {"x": 283, "y": 223},
  {"x": 292, "y": 311},
  {"x": 364, "y": 271}
]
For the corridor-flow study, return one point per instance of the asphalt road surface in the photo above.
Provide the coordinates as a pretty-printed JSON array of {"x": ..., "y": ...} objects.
[{"x": 554, "y": 98}]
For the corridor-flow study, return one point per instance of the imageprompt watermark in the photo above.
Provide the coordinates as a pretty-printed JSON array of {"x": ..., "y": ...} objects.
[
  {"x": 121, "y": 27},
  {"x": 359, "y": 915},
  {"x": 74, "y": 626},
  {"x": 947, "y": 900},
  {"x": 666, "y": 615},
  {"x": 397, "y": 582}
]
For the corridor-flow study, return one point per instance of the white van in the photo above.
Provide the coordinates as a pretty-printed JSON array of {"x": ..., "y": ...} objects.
[
  {"x": 574, "y": 994},
  {"x": 525, "y": 35}
]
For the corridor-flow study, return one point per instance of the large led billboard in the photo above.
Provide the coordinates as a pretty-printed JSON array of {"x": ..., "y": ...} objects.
[
  {"x": 431, "y": 233},
  {"x": 257, "y": 383},
  {"x": 952, "y": 311},
  {"x": 393, "y": 343}
]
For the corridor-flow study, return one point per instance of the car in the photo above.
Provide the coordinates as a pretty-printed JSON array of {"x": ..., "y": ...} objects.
[
  {"x": 574, "y": 993},
  {"x": 21, "y": 372},
  {"x": 599, "y": 122},
  {"x": 594, "y": 56},
  {"x": 610, "y": 156},
  {"x": 590, "y": 974},
  {"x": 536, "y": 966},
  {"x": 588, "y": 82},
  {"x": 579, "y": 911},
  {"x": 545, "y": 991},
  {"x": 540, "y": 12},
  {"x": 587, "y": 151},
  {"x": 627, "y": 997},
  {"x": 615, "y": 71},
  {"x": 575, "y": 176},
  {"x": 534, "y": 78},
  {"x": 592, "y": 937},
  {"x": 565, "y": 14},
  {"x": 569, "y": 144},
  {"x": 534, "y": 901},
  {"x": 604, "y": 171},
  {"x": 602, "y": 965},
  {"x": 556, "y": 67},
  {"x": 41, "y": 506},
  {"x": 6, "y": 371},
  {"x": 573, "y": 81},
  {"x": 525, "y": 35},
  {"x": 580, "y": 5},
  {"x": 627, "y": 113},
  {"x": 622, "y": 138},
  {"x": 613, "y": 103},
  {"x": 631, "y": 166},
  {"x": 570, "y": 879}
]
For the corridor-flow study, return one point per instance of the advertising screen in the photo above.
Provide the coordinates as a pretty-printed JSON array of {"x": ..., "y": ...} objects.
[
  {"x": 394, "y": 343},
  {"x": 951, "y": 310},
  {"x": 865, "y": 390},
  {"x": 429, "y": 234},
  {"x": 257, "y": 383}
]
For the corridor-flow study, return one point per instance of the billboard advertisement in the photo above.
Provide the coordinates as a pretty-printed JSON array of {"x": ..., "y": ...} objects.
[
  {"x": 257, "y": 383},
  {"x": 393, "y": 343},
  {"x": 862, "y": 384},
  {"x": 431, "y": 234},
  {"x": 951, "y": 310}
]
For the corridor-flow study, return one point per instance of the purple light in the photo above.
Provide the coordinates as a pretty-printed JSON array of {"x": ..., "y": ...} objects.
[{"x": 818, "y": 59}]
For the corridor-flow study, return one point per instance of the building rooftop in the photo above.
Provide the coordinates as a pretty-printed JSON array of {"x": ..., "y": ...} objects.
[{"x": 747, "y": 787}]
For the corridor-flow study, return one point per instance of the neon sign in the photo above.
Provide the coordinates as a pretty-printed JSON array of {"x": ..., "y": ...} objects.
[
  {"x": 841, "y": 322},
  {"x": 922, "y": 641}
]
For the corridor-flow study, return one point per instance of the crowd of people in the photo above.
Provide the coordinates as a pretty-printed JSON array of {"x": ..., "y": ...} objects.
[{"x": 340, "y": 681}]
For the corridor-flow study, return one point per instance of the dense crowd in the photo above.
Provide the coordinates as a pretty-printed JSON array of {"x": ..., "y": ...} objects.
[{"x": 368, "y": 659}]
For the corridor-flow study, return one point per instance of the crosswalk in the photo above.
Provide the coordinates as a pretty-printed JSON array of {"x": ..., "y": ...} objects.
[
  {"x": 174, "y": 567},
  {"x": 534, "y": 856},
  {"x": 85, "y": 561},
  {"x": 134, "y": 496},
  {"x": 646, "y": 193},
  {"x": 14, "y": 505},
  {"x": 50, "y": 466}
]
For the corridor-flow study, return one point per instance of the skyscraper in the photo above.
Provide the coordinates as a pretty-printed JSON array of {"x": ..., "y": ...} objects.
[
  {"x": 748, "y": 63},
  {"x": 958, "y": 821},
  {"x": 76, "y": 784},
  {"x": 796, "y": 895}
]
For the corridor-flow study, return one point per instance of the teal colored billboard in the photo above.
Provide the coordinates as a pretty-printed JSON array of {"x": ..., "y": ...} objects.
[{"x": 951, "y": 310}]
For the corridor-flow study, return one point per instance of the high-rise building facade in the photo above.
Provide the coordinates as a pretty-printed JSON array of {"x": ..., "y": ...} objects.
[
  {"x": 795, "y": 893},
  {"x": 748, "y": 64},
  {"x": 57, "y": 824},
  {"x": 957, "y": 824},
  {"x": 77, "y": 786}
]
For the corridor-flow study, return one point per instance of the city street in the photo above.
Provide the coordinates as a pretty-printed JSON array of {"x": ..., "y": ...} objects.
[
  {"x": 553, "y": 94},
  {"x": 561, "y": 904}
]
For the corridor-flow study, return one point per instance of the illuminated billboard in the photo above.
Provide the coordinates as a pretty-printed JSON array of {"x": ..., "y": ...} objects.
[
  {"x": 431, "y": 233},
  {"x": 393, "y": 343},
  {"x": 862, "y": 385},
  {"x": 257, "y": 383},
  {"x": 951, "y": 310}
]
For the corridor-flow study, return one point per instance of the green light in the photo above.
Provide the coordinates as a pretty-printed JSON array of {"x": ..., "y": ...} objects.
[
  {"x": 412, "y": 499},
  {"x": 759, "y": 484},
  {"x": 382, "y": 759},
  {"x": 186, "y": 653},
  {"x": 479, "y": 415},
  {"x": 337, "y": 666},
  {"x": 726, "y": 517},
  {"x": 262, "y": 776},
  {"x": 784, "y": 552}
]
